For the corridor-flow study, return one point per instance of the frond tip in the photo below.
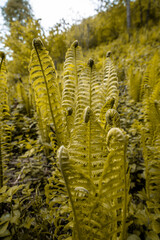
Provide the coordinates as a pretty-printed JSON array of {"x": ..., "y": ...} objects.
[
  {"x": 2, "y": 55},
  {"x": 114, "y": 136},
  {"x": 87, "y": 114},
  {"x": 112, "y": 118},
  {"x": 37, "y": 43},
  {"x": 108, "y": 54},
  {"x": 75, "y": 44},
  {"x": 90, "y": 62}
]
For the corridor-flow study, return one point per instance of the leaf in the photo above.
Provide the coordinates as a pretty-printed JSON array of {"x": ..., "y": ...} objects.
[
  {"x": 133, "y": 237},
  {"x": 28, "y": 222},
  {"x": 12, "y": 190},
  {"x": 47, "y": 95},
  {"x": 152, "y": 236},
  {"x": 73, "y": 66},
  {"x": 156, "y": 226},
  {"x": 3, "y": 189},
  {"x": 3, "y": 229},
  {"x": 109, "y": 90},
  {"x": 15, "y": 217}
]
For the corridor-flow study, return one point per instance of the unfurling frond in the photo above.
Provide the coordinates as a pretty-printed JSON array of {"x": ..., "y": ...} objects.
[
  {"x": 114, "y": 184},
  {"x": 112, "y": 118},
  {"x": 80, "y": 191},
  {"x": 44, "y": 83}
]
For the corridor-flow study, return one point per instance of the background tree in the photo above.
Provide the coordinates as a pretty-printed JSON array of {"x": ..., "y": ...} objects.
[
  {"x": 19, "y": 43},
  {"x": 16, "y": 10},
  {"x": 128, "y": 16}
]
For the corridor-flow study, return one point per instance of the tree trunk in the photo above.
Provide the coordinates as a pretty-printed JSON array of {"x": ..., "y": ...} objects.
[
  {"x": 141, "y": 12},
  {"x": 128, "y": 17},
  {"x": 148, "y": 12}
]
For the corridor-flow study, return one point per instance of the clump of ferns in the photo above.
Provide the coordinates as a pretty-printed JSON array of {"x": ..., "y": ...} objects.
[
  {"x": 149, "y": 129},
  {"x": 82, "y": 120},
  {"x": 89, "y": 170}
]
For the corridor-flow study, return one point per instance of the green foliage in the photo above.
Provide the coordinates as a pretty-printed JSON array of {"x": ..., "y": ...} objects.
[
  {"x": 4, "y": 115},
  {"x": 18, "y": 10},
  {"x": 104, "y": 184},
  {"x": 19, "y": 42}
]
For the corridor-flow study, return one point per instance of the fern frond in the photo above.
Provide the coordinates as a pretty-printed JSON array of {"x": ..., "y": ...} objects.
[
  {"x": 112, "y": 118},
  {"x": 72, "y": 69},
  {"x": 80, "y": 189},
  {"x": 114, "y": 184},
  {"x": 134, "y": 80},
  {"x": 87, "y": 147},
  {"x": 43, "y": 78},
  {"x": 150, "y": 134},
  {"x": 5, "y": 133},
  {"x": 88, "y": 93},
  {"x": 151, "y": 76},
  {"x": 109, "y": 89},
  {"x": 58, "y": 204}
]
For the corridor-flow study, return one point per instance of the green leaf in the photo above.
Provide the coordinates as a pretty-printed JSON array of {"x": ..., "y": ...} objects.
[
  {"x": 152, "y": 236},
  {"x": 3, "y": 189},
  {"x": 15, "y": 217},
  {"x": 13, "y": 190},
  {"x": 28, "y": 222},
  {"x": 3, "y": 229},
  {"x": 133, "y": 237},
  {"x": 156, "y": 226}
]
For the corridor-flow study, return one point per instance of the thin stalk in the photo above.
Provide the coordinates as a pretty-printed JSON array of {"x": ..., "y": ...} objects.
[
  {"x": 71, "y": 200},
  {"x": 89, "y": 137},
  {"x": 1, "y": 164},
  {"x": 123, "y": 236}
]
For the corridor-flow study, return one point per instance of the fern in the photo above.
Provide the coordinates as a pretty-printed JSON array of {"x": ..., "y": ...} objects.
[
  {"x": 114, "y": 185},
  {"x": 98, "y": 191},
  {"x": 47, "y": 96},
  {"x": 109, "y": 89},
  {"x": 4, "y": 114},
  {"x": 134, "y": 82},
  {"x": 150, "y": 137},
  {"x": 88, "y": 94},
  {"x": 72, "y": 69},
  {"x": 85, "y": 167}
]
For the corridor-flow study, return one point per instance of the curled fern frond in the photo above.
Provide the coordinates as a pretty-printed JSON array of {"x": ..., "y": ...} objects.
[
  {"x": 112, "y": 118},
  {"x": 114, "y": 135},
  {"x": 80, "y": 189},
  {"x": 114, "y": 184}
]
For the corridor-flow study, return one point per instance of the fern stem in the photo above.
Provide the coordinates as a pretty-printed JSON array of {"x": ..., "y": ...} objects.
[
  {"x": 89, "y": 136},
  {"x": 1, "y": 165},
  {"x": 49, "y": 101},
  {"x": 147, "y": 174},
  {"x": 123, "y": 236},
  {"x": 70, "y": 196}
]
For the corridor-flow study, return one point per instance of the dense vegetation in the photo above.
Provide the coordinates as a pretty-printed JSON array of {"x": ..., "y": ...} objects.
[{"x": 80, "y": 131}]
